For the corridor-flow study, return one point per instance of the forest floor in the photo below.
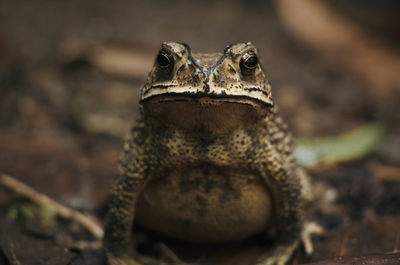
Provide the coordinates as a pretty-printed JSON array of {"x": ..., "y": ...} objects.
[{"x": 70, "y": 74}]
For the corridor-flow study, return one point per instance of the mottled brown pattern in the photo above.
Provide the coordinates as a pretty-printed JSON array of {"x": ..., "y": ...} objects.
[{"x": 210, "y": 159}]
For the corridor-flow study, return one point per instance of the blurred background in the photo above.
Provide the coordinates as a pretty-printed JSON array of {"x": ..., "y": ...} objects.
[{"x": 70, "y": 74}]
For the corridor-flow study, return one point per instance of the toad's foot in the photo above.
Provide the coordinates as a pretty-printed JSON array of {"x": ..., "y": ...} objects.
[
  {"x": 310, "y": 229},
  {"x": 168, "y": 255},
  {"x": 125, "y": 260},
  {"x": 278, "y": 255},
  {"x": 133, "y": 258},
  {"x": 281, "y": 254},
  {"x": 136, "y": 260}
]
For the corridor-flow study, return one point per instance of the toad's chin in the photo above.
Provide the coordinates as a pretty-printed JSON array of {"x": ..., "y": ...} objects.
[{"x": 204, "y": 114}]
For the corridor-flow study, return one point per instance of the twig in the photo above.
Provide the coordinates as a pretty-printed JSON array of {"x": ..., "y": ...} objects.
[
  {"x": 128, "y": 62},
  {"x": 385, "y": 259},
  {"x": 343, "y": 42},
  {"x": 343, "y": 249},
  {"x": 93, "y": 226},
  {"x": 14, "y": 260},
  {"x": 80, "y": 244}
]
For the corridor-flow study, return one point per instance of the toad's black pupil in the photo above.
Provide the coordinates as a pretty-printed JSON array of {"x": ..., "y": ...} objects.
[
  {"x": 162, "y": 60},
  {"x": 251, "y": 62}
]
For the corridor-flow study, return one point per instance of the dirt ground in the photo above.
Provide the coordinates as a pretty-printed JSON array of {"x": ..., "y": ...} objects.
[{"x": 70, "y": 74}]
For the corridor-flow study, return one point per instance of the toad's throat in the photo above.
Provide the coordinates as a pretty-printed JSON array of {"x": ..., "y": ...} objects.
[{"x": 203, "y": 114}]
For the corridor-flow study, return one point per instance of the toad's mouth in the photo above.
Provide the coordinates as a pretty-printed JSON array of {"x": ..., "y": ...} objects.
[
  {"x": 206, "y": 99},
  {"x": 243, "y": 95}
]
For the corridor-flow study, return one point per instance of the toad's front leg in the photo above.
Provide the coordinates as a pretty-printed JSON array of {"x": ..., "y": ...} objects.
[
  {"x": 289, "y": 219},
  {"x": 286, "y": 188},
  {"x": 131, "y": 179},
  {"x": 118, "y": 244}
]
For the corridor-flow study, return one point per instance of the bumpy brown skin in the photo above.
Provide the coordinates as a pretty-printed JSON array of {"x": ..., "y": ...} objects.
[{"x": 209, "y": 161}]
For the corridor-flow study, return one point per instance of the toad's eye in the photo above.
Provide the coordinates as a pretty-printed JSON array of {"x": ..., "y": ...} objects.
[
  {"x": 165, "y": 60},
  {"x": 248, "y": 63}
]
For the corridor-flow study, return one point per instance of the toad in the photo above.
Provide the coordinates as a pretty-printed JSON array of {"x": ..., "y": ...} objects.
[{"x": 210, "y": 160}]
